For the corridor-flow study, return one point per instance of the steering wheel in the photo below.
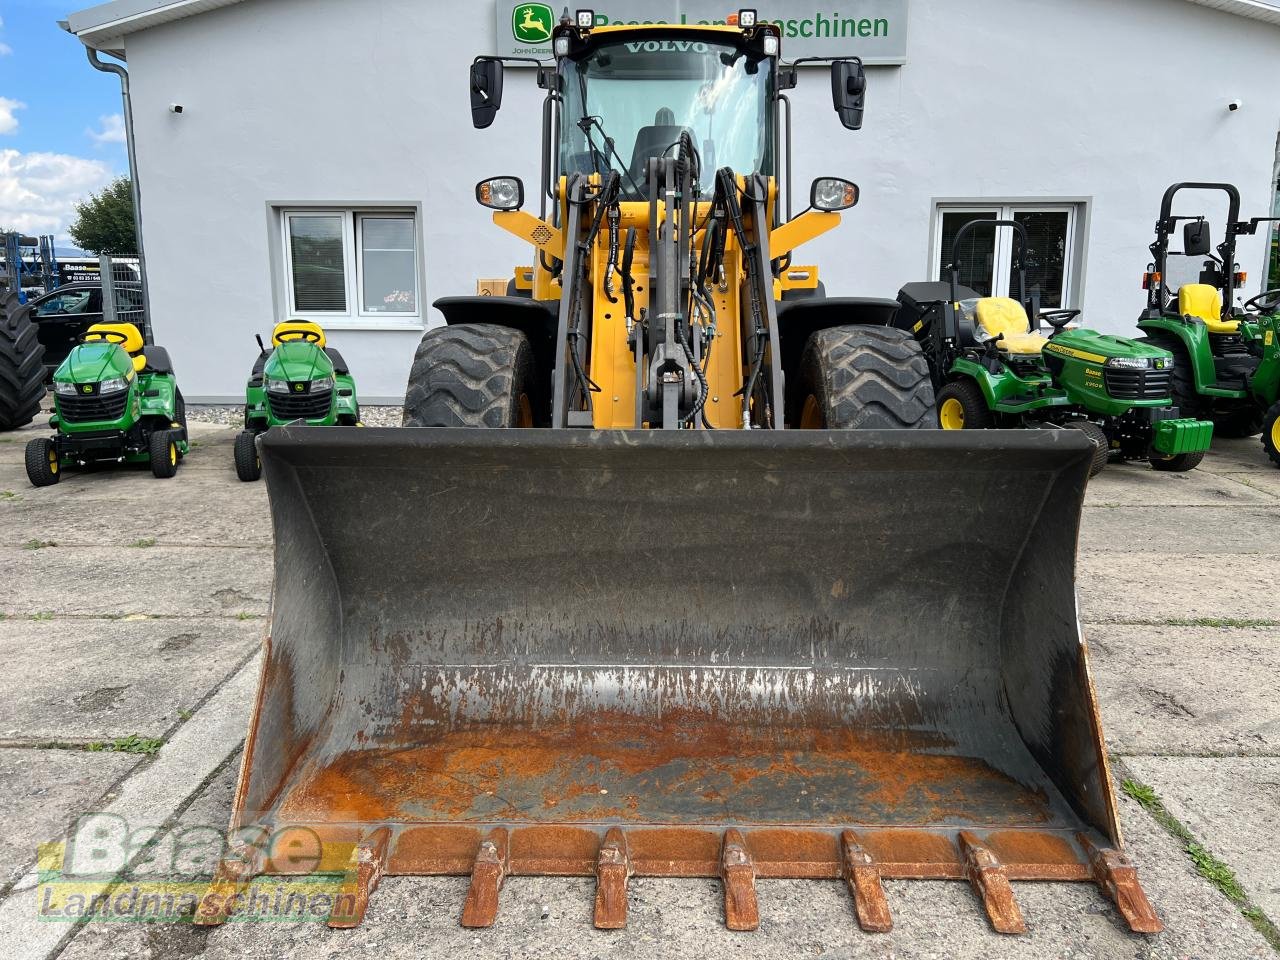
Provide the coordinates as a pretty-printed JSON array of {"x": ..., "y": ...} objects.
[
  {"x": 293, "y": 336},
  {"x": 1058, "y": 318},
  {"x": 110, "y": 336},
  {"x": 1265, "y": 302}
]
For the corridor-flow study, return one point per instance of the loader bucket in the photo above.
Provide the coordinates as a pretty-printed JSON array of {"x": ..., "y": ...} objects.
[{"x": 693, "y": 654}]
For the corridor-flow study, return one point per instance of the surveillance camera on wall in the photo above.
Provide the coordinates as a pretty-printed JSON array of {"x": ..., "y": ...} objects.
[
  {"x": 177, "y": 108},
  {"x": 1234, "y": 105}
]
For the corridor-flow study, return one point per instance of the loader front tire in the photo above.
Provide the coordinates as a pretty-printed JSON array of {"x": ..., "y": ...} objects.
[
  {"x": 21, "y": 369},
  {"x": 471, "y": 375},
  {"x": 863, "y": 378}
]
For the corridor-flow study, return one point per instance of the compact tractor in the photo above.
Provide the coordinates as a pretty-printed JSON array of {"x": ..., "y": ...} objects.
[
  {"x": 299, "y": 380},
  {"x": 1227, "y": 357},
  {"x": 719, "y": 601},
  {"x": 993, "y": 368},
  {"x": 115, "y": 401}
]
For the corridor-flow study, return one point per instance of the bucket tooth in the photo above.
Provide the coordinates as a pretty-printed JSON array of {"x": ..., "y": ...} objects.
[
  {"x": 368, "y": 861},
  {"x": 492, "y": 864},
  {"x": 990, "y": 881},
  {"x": 1118, "y": 878},
  {"x": 863, "y": 878},
  {"x": 613, "y": 868},
  {"x": 234, "y": 873},
  {"x": 738, "y": 871}
]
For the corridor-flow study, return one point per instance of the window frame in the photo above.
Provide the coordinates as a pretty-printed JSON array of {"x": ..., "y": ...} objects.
[
  {"x": 1076, "y": 211},
  {"x": 354, "y": 317}
]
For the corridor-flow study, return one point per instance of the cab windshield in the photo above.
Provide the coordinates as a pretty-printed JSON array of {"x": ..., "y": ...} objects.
[{"x": 644, "y": 95}]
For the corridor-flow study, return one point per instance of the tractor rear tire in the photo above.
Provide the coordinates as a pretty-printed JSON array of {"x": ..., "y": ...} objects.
[
  {"x": 248, "y": 464},
  {"x": 1101, "y": 443},
  {"x": 1238, "y": 424},
  {"x": 1183, "y": 380},
  {"x": 1179, "y": 464},
  {"x": 962, "y": 406},
  {"x": 1271, "y": 434},
  {"x": 864, "y": 378},
  {"x": 162, "y": 449},
  {"x": 43, "y": 468},
  {"x": 21, "y": 369},
  {"x": 471, "y": 375}
]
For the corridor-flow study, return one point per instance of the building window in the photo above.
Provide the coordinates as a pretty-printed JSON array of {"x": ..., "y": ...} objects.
[
  {"x": 351, "y": 265},
  {"x": 985, "y": 257}
]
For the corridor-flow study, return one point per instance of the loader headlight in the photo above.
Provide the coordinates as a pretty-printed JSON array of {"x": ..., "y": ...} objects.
[
  {"x": 501, "y": 193},
  {"x": 277, "y": 386},
  {"x": 1129, "y": 363},
  {"x": 832, "y": 194},
  {"x": 321, "y": 384},
  {"x": 114, "y": 385},
  {"x": 64, "y": 389}
]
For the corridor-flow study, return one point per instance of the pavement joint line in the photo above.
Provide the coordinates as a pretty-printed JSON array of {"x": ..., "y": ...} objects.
[
  {"x": 146, "y": 763},
  {"x": 74, "y": 929},
  {"x": 1216, "y": 871},
  {"x": 46, "y": 616}
]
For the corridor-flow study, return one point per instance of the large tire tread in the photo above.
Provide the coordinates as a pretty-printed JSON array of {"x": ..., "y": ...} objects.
[
  {"x": 21, "y": 367},
  {"x": 866, "y": 378},
  {"x": 469, "y": 375}
]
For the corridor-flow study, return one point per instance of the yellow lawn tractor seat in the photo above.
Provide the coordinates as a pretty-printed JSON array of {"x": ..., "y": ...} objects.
[
  {"x": 1006, "y": 318},
  {"x": 1204, "y": 302},
  {"x": 126, "y": 335}
]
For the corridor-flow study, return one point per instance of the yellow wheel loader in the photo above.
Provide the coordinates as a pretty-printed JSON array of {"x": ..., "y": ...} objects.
[{"x": 713, "y": 604}]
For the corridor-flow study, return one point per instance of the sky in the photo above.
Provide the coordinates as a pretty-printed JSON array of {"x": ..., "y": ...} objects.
[{"x": 61, "y": 127}]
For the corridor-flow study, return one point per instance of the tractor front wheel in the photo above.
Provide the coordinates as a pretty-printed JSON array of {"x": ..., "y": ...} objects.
[
  {"x": 962, "y": 406},
  {"x": 162, "y": 448},
  {"x": 248, "y": 464},
  {"x": 43, "y": 468},
  {"x": 1101, "y": 443},
  {"x": 471, "y": 375},
  {"x": 1271, "y": 434},
  {"x": 1179, "y": 464},
  {"x": 864, "y": 378}
]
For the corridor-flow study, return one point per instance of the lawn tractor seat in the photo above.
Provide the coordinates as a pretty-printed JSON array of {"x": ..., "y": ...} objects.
[
  {"x": 1006, "y": 318},
  {"x": 126, "y": 335},
  {"x": 1204, "y": 302}
]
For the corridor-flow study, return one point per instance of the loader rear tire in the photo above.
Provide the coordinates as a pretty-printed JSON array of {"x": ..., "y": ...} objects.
[
  {"x": 471, "y": 375},
  {"x": 864, "y": 378},
  {"x": 21, "y": 369}
]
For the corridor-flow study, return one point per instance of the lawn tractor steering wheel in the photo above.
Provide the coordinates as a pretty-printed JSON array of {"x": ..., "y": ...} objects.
[
  {"x": 1058, "y": 319},
  {"x": 1265, "y": 302},
  {"x": 110, "y": 336},
  {"x": 305, "y": 336}
]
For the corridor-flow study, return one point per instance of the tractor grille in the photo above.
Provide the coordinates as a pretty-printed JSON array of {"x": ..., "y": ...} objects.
[
  {"x": 1138, "y": 384},
  {"x": 93, "y": 408},
  {"x": 306, "y": 406}
]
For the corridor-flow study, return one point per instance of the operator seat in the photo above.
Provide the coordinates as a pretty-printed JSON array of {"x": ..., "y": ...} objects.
[
  {"x": 1006, "y": 318},
  {"x": 126, "y": 335},
  {"x": 651, "y": 141},
  {"x": 1204, "y": 302}
]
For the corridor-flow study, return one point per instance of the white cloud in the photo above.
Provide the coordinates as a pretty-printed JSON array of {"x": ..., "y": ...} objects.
[
  {"x": 38, "y": 191},
  {"x": 111, "y": 130},
  {"x": 8, "y": 122},
  {"x": 5, "y": 49}
]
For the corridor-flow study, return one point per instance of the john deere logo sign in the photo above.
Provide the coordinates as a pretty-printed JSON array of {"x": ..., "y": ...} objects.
[
  {"x": 87, "y": 388},
  {"x": 532, "y": 22},
  {"x": 875, "y": 30}
]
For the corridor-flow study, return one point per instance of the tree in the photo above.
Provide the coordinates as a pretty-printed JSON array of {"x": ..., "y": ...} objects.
[{"x": 104, "y": 221}]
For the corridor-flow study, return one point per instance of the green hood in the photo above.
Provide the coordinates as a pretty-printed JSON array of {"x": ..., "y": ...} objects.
[
  {"x": 93, "y": 363},
  {"x": 298, "y": 361},
  {"x": 1107, "y": 346}
]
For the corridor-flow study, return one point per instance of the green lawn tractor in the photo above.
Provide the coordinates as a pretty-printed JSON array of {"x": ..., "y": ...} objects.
[
  {"x": 115, "y": 400},
  {"x": 992, "y": 368},
  {"x": 299, "y": 380},
  {"x": 1227, "y": 357}
]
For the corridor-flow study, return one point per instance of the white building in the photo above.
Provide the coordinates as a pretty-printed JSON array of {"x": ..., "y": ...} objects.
[{"x": 345, "y": 125}]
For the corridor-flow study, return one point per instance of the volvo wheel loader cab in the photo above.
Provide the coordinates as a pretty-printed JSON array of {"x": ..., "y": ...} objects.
[
  {"x": 116, "y": 400},
  {"x": 300, "y": 379},
  {"x": 1227, "y": 356},
  {"x": 994, "y": 368},
  {"x": 651, "y": 629}
]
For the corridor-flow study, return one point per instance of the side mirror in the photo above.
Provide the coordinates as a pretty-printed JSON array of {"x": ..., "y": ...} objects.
[
  {"x": 486, "y": 91},
  {"x": 1196, "y": 241},
  {"x": 849, "y": 92}
]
